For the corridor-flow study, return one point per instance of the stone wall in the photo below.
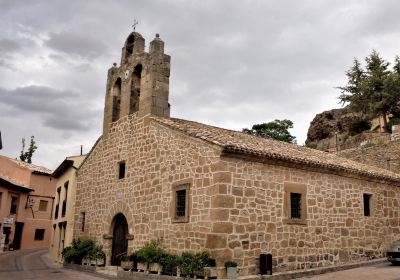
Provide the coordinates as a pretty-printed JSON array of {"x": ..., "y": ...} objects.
[
  {"x": 384, "y": 155},
  {"x": 237, "y": 206},
  {"x": 336, "y": 230},
  {"x": 156, "y": 159}
]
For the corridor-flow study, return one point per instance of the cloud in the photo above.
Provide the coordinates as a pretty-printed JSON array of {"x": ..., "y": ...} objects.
[
  {"x": 59, "y": 110},
  {"x": 76, "y": 44},
  {"x": 233, "y": 63}
]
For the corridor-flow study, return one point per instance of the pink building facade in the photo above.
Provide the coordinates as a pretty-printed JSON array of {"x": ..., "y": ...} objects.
[{"x": 26, "y": 203}]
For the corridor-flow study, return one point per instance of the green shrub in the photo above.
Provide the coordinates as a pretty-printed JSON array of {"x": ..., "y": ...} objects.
[
  {"x": 124, "y": 258},
  {"x": 81, "y": 249},
  {"x": 230, "y": 264},
  {"x": 151, "y": 252},
  {"x": 169, "y": 262},
  {"x": 358, "y": 126},
  {"x": 190, "y": 263}
]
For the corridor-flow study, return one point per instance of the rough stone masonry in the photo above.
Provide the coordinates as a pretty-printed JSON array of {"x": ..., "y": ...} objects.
[{"x": 201, "y": 187}]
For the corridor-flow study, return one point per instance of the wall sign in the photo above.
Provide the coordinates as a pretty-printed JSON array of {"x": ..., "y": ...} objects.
[{"x": 8, "y": 221}]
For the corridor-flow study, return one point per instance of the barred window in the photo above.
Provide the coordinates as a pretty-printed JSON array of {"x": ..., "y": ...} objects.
[
  {"x": 181, "y": 203},
  {"x": 295, "y": 205}
]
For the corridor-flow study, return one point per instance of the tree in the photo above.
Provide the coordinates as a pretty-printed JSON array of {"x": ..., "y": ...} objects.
[
  {"x": 277, "y": 129},
  {"x": 27, "y": 156},
  {"x": 373, "y": 91}
]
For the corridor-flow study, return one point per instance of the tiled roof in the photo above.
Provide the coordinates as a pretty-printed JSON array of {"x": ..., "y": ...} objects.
[
  {"x": 33, "y": 167},
  {"x": 10, "y": 182},
  {"x": 240, "y": 143}
]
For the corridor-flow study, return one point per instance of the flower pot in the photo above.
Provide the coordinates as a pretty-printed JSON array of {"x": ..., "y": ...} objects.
[
  {"x": 231, "y": 273},
  {"x": 210, "y": 272},
  {"x": 126, "y": 265},
  {"x": 155, "y": 267},
  {"x": 141, "y": 266}
]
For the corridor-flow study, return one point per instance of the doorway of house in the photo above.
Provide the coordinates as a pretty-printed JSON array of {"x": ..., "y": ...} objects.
[
  {"x": 119, "y": 241},
  {"x": 19, "y": 227}
]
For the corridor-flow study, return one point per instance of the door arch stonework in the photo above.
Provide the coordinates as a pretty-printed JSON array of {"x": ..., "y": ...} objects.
[{"x": 108, "y": 228}]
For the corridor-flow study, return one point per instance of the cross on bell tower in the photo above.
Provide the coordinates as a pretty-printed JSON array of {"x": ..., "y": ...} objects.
[{"x": 135, "y": 22}]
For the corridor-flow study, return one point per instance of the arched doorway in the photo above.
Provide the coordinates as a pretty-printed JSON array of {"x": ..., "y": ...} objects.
[{"x": 119, "y": 241}]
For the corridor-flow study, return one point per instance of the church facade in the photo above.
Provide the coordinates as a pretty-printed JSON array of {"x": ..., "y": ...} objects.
[{"x": 196, "y": 186}]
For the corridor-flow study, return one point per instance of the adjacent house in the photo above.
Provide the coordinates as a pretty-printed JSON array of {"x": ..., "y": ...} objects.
[
  {"x": 63, "y": 212},
  {"x": 26, "y": 203},
  {"x": 195, "y": 186}
]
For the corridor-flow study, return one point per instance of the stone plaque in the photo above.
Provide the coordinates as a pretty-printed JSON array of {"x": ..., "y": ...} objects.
[{"x": 119, "y": 195}]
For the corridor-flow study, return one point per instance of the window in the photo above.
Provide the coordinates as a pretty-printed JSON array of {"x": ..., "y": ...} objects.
[
  {"x": 39, "y": 234},
  {"x": 43, "y": 205},
  {"x": 83, "y": 221},
  {"x": 121, "y": 170},
  {"x": 367, "y": 199},
  {"x": 295, "y": 206},
  {"x": 14, "y": 205},
  {"x": 66, "y": 190},
  {"x": 181, "y": 203}
]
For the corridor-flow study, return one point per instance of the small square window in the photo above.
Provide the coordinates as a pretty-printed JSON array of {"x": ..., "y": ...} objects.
[
  {"x": 367, "y": 199},
  {"x": 121, "y": 170},
  {"x": 39, "y": 234},
  {"x": 181, "y": 203},
  {"x": 43, "y": 205}
]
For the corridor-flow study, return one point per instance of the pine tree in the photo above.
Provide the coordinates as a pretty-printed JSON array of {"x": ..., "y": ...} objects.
[{"x": 375, "y": 90}]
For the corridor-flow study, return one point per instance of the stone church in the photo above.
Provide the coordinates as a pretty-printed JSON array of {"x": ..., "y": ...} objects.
[{"x": 198, "y": 187}]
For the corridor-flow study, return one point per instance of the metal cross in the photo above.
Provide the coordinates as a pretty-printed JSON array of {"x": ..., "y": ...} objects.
[{"x": 135, "y": 22}]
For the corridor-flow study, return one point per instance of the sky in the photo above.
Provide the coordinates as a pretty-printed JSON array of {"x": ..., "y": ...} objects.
[{"x": 233, "y": 63}]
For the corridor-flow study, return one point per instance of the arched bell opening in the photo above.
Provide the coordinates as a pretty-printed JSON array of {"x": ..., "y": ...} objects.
[
  {"x": 116, "y": 95},
  {"x": 135, "y": 88}
]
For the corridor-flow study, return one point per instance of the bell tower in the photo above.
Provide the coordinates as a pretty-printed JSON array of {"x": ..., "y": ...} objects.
[{"x": 140, "y": 85}]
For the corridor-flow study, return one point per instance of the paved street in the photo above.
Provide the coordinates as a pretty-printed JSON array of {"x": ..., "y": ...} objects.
[
  {"x": 384, "y": 271},
  {"x": 34, "y": 264}
]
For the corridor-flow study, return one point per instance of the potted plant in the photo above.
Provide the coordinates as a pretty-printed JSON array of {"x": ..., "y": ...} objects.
[
  {"x": 231, "y": 269},
  {"x": 193, "y": 264},
  {"x": 169, "y": 263},
  {"x": 151, "y": 254},
  {"x": 97, "y": 256},
  {"x": 126, "y": 264},
  {"x": 211, "y": 269}
]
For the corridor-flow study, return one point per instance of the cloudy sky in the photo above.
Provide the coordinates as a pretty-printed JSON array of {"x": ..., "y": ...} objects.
[{"x": 234, "y": 63}]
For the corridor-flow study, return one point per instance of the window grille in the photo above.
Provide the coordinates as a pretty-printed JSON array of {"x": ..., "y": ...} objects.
[
  {"x": 181, "y": 203},
  {"x": 295, "y": 205}
]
